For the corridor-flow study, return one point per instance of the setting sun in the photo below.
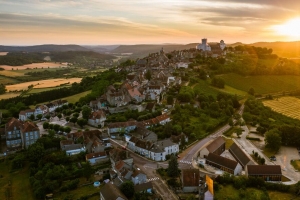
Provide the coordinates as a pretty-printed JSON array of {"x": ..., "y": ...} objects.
[{"x": 290, "y": 28}]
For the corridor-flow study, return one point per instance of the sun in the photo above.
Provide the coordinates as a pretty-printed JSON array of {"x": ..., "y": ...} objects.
[{"x": 290, "y": 28}]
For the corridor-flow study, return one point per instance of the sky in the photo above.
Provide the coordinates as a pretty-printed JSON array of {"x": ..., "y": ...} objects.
[{"x": 105, "y": 22}]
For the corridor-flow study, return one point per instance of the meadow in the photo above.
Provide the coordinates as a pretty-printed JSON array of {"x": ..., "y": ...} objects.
[
  {"x": 262, "y": 84},
  {"x": 288, "y": 106},
  {"x": 42, "y": 84}
]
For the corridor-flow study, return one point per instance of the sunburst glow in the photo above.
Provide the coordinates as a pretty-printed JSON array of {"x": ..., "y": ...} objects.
[{"x": 290, "y": 28}]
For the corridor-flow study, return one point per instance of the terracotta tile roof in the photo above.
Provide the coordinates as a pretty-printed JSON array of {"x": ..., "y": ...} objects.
[
  {"x": 97, "y": 114},
  {"x": 23, "y": 112},
  {"x": 264, "y": 169},
  {"x": 221, "y": 161},
  {"x": 122, "y": 124},
  {"x": 119, "y": 165},
  {"x": 162, "y": 117},
  {"x": 118, "y": 154},
  {"x": 13, "y": 123},
  {"x": 239, "y": 154},
  {"x": 212, "y": 147},
  {"x": 190, "y": 177},
  {"x": 95, "y": 155},
  {"x": 29, "y": 126}
]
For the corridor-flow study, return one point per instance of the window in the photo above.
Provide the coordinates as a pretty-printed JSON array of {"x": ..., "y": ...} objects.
[
  {"x": 31, "y": 133},
  {"x": 31, "y": 137},
  {"x": 26, "y": 134},
  {"x": 9, "y": 133}
]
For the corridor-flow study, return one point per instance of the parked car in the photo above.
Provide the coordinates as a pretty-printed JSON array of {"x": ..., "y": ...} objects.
[{"x": 273, "y": 158}]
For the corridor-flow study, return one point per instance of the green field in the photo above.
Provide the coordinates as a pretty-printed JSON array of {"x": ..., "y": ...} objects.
[
  {"x": 70, "y": 99},
  {"x": 19, "y": 187},
  {"x": 38, "y": 90},
  {"x": 204, "y": 87},
  {"x": 229, "y": 192},
  {"x": 6, "y": 80},
  {"x": 262, "y": 84}
]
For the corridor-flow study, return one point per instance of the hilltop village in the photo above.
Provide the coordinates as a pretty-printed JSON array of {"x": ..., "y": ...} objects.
[{"x": 151, "y": 135}]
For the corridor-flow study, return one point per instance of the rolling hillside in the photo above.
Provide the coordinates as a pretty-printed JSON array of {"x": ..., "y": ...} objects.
[
  {"x": 143, "y": 50},
  {"x": 43, "y": 48}
]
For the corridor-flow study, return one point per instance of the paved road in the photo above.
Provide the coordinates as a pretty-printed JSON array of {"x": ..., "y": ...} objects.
[
  {"x": 148, "y": 167},
  {"x": 189, "y": 156}
]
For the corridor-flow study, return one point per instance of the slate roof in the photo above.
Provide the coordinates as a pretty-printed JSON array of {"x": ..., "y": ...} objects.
[
  {"x": 239, "y": 154},
  {"x": 222, "y": 161},
  {"x": 264, "y": 169},
  {"x": 190, "y": 177},
  {"x": 212, "y": 147}
]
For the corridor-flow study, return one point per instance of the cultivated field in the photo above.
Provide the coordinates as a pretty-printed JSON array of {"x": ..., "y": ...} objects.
[
  {"x": 42, "y": 84},
  {"x": 9, "y": 95},
  {"x": 3, "y": 53},
  {"x": 262, "y": 84},
  {"x": 288, "y": 106},
  {"x": 44, "y": 65}
]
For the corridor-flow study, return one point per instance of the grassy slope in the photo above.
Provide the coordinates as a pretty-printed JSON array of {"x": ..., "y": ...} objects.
[
  {"x": 205, "y": 88},
  {"x": 70, "y": 99},
  {"x": 262, "y": 84},
  {"x": 20, "y": 186}
]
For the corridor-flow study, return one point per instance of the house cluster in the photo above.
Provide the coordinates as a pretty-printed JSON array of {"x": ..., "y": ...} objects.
[
  {"x": 240, "y": 161},
  {"x": 123, "y": 170},
  {"x": 20, "y": 134},
  {"x": 212, "y": 49},
  {"x": 41, "y": 109},
  {"x": 93, "y": 142}
]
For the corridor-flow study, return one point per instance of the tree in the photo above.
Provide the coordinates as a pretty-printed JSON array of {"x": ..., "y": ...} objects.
[
  {"x": 170, "y": 99},
  {"x": 59, "y": 116},
  {"x": 2, "y": 89},
  {"x": 251, "y": 91},
  {"x": 67, "y": 119},
  {"x": 172, "y": 169},
  {"x": 148, "y": 75},
  {"x": 76, "y": 114},
  {"x": 87, "y": 170},
  {"x": 31, "y": 117},
  {"x": 35, "y": 152},
  {"x": 86, "y": 111},
  {"x": 273, "y": 139},
  {"x": 73, "y": 120},
  {"x": 239, "y": 132},
  {"x": 46, "y": 125},
  {"x": 127, "y": 188},
  {"x": 56, "y": 127},
  {"x": 81, "y": 122},
  {"x": 67, "y": 129},
  {"x": 39, "y": 116},
  {"x": 47, "y": 117}
]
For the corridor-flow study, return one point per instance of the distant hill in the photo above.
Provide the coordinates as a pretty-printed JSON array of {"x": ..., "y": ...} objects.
[
  {"x": 282, "y": 49},
  {"x": 43, "y": 48},
  {"x": 102, "y": 48},
  {"x": 143, "y": 50}
]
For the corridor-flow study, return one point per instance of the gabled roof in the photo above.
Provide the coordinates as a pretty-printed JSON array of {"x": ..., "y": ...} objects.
[
  {"x": 190, "y": 177},
  {"x": 212, "y": 147},
  {"x": 162, "y": 117},
  {"x": 97, "y": 114},
  {"x": 95, "y": 155},
  {"x": 23, "y": 112},
  {"x": 13, "y": 123},
  {"x": 222, "y": 161},
  {"x": 239, "y": 154},
  {"x": 142, "y": 187},
  {"x": 264, "y": 169},
  {"x": 110, "y": 192},
  {"x": 29, "y": 126}
]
